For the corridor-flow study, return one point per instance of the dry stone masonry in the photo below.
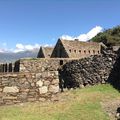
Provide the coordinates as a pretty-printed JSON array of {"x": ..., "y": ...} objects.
[
  {"x": 27, "y": 87},
  {"x": 88, "y": 71},
  {"x": 41, "y": 79}
]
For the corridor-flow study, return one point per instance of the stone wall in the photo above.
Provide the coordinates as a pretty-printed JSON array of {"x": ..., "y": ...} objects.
[
  {"x": 114, "y": 77},
  {"x": 8, "y": 67},
  {"x": 41, "y": 64},
  {"x": 27, "y": 87},
  {"x": 75, "y": 49},
  {"x": 88, "y": 71}
]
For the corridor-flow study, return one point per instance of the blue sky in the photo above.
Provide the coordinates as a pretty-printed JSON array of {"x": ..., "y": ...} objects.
[{"x": 30, "y": 22}]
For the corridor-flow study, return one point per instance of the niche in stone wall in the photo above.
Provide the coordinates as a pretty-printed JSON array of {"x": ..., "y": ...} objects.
[
  {"x": 79, "y": 51},
  {"x": 17, "y": 66},
  {"x": 84, "y": 51},
  {"x": 75, "y": 51},
  {"x": 10, "y": 67},
  {"x": 70, "y": 50},
  {"x": 6, "y": 67},
  {"x": 61, "y": 62}
]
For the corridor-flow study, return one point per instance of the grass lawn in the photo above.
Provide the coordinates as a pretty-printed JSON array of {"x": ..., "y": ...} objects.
[{"x": 79, "y": 104}]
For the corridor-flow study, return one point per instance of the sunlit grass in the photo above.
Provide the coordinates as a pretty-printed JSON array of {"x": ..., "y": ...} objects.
[{"x": 79, "y": 104}]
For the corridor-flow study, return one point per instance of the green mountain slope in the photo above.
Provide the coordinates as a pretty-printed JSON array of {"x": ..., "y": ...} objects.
[{"x": 109, "y": 37}]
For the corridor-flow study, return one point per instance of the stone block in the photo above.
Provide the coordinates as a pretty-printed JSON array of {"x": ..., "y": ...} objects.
[
  {"x": 31, "y": 99},
  {"x": 43, "y": 90},
  {"x": 38, "y": 75},
  {"x": 23, "y": 96},
  {"x": 53, "y": 88},
  {"x": 13, "y": 89},
  {"x": 1, "y": 89},
  {"x": 42, "y": 99},
  {"x": 56, "y": 73},
  {"x": 9, "y": 98},
  {"x": 46, "y": 83},
  {"x": 45, "y": 74},
  {"x": 39, "y": 83},
  {"x": 55, "y": 81}
]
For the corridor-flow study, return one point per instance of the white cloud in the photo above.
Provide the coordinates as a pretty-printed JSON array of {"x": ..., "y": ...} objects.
[
  {"x": 20, "y": 47},
  {"x": 67, "y": 37},
  {"x": 84, "y": 37}
]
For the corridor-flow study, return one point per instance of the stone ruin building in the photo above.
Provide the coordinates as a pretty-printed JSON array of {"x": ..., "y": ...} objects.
[
  {"x": 37, "y": 79},
  {"x": 70, "y": 49},
  {"x": 75, "y": 49},
  {"x": 45, "y": 52}
]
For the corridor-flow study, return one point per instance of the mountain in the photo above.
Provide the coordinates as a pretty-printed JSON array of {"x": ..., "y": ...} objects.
[
  {"x": 108, "y": 37},
  {"x": 12, "y": 57}
]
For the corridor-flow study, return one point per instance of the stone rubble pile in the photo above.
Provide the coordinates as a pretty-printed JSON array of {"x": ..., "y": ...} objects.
[{"x": 88, "y": 71}]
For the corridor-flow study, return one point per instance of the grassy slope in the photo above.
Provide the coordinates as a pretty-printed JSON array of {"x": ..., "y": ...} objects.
[
  {"x": 83, "y": 104},
  {"x": 110, "y": 36}
]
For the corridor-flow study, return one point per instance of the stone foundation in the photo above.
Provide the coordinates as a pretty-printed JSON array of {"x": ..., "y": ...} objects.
[{"x": 27, "y": 87}]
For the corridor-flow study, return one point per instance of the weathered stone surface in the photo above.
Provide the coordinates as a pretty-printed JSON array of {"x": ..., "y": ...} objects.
[
  {"x": 13, "y": 89},
  {"x": 43, "y": 90},
  {"x": 38, "y": 75},
  {"x": 39, "y": 83},
  {"x": 29, "y": 86},
  {"x": 23, "y": 96},
  {"x": 46, "y": 83},
  {"x": 55, "y": 81},
  {"x": 88, "y": 71},
  {"x": 1, "y": 89},
  {"x": 9, "y": 98},
  {"x": 42, "y": 99},
  {"x": 31, "y": 99},
  {"x": 53, "y": 89}
]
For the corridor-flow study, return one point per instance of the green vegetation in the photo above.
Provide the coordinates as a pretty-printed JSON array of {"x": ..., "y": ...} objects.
[
  {"x": 79, "y": 104},
  {"x": 109, "y": 37}
]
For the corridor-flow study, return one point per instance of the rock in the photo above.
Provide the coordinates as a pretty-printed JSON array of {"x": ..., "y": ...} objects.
[
  {"x": 38, "y": 75},
  {"x": 43, "y": 90},
  {"x": 1, "y": 89},
  {"x": 46, "y": 83},
  {"x": 55, "y": 81},
  {"x": 23, "y": 97},
  {"x": 82, "y": 86},
  {"x": 9, "y": 98},
  {"x": 87, "y": 71},
  {"x": 42, "y": 99},
  {"x": 39, "y": 83},
  {"x": 53, "y": 88},
  {"x": 10, "y": 89}
]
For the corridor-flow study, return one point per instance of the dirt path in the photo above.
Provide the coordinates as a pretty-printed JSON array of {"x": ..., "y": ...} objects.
[{"x": 111, "y": 107}]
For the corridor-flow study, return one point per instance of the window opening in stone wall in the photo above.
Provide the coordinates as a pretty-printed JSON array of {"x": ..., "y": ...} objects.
[
  {"x": 61, "y": 62},
  {"x": 70, "y": 50},
  {"x": 75, "y": 51},
  {"x": 93, "y": 51},
  {"x": 17, "y": 66},
  {"x": 6, "y": 67},
  {"x": 3, "y": 68},
  {"x": 10, "y": 67},
  {"x": 89, "y": 51},
  {"x": 79, "y": 51},
  {"x": 98, "y": 52},
  {"x": 85, "y": 51}
]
